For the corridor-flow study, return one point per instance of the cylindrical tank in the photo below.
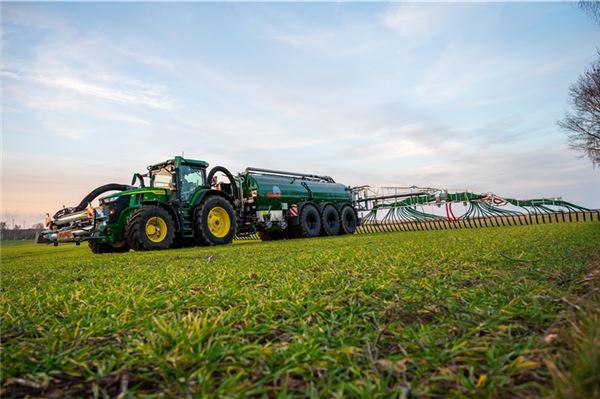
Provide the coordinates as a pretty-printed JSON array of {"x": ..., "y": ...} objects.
[{"x": 271, "y": 191}]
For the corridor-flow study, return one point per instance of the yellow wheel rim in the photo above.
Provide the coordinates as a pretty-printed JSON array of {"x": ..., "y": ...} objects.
[
  {"x": 219, "y": 222},
  {"x": 156, "y": 229}
]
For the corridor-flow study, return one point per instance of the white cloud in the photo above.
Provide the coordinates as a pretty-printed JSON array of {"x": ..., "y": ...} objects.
[
  {"x": 394, "y": 144},
  {"x": 410, "y": 20},
  {"x": 31, "y": 16},
  {"x": 152, "y": 60},
  {"x": 145, "y": 96},
  {"x": 130, "y": 119},
  {"x": 67, "y": 133}
]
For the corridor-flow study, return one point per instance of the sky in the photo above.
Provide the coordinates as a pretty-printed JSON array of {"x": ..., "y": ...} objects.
[{"x": 449, "y": 95}]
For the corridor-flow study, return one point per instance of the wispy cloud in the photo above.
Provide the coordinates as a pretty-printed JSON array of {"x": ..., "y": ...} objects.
[
  {"x": 130, "y": 119},
  {"x": 67, "y": 133},
  {"x": 411, "y": 20},
  {"x": 396, "y": 143},
  {"x": 151, "y": 60},
  {"x": 145, "y": 96}
]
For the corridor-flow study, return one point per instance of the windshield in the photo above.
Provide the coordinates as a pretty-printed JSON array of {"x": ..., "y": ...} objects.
[
  {"x": 191, "y": 178},
  {"x": 161, "y": 177}
]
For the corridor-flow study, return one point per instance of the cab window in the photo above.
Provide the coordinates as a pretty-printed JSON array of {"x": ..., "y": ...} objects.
[
  {"x": 191, "y": 178},
  {"x": 161, "y": 178}
]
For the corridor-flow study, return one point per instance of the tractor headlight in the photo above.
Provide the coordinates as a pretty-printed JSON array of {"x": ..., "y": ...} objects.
[
  {"x": 109, "y": 200},
  {"x": 109, "y": 211}
]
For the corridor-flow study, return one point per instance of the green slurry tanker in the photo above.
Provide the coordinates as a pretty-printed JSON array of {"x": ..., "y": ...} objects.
[{"x": 176, "y": 203}]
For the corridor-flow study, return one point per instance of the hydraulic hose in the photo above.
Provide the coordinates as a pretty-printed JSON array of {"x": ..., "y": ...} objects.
[
  {"x": 90, "y": 197},
  {"x": 227, "y": 173}
]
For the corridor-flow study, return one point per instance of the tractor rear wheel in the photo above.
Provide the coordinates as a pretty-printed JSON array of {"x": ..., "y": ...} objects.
[
  {"x": 348, "y": 220},
  {"x": 103, "y": 248},
  {"x": 150, "y": 228},
  {"x": 215, "y": 222},
  {"x": 330, "y": 221}
]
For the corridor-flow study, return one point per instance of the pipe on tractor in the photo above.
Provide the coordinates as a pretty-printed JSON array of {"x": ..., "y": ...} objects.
[{"x": 73, "y": 224}]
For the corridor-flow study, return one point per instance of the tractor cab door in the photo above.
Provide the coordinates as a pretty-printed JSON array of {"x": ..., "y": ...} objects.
[{"x": 191, "y": 178}]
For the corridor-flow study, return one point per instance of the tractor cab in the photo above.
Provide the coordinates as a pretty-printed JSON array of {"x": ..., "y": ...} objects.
[{"x": 179, "y": 175}]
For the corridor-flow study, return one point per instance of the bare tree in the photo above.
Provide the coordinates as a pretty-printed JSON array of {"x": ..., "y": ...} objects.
[
  {"x": 592, "y": 8},
  {"x": 583, "y": 123}
]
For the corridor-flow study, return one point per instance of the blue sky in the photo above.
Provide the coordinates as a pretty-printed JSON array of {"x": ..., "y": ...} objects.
[{"x": 449, "y": 95}]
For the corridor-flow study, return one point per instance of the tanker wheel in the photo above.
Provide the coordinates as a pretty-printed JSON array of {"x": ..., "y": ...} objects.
[
  {"x": 330, "y": 221},
  {"x": 309, "y": 222},
  {"x": 348, "y": 220},
  {"x": 271, "y": 235},
  {"x": 215, "y": 222},
  {"x": 102, "y": 248},
  {"x": 150, "y": 228}
]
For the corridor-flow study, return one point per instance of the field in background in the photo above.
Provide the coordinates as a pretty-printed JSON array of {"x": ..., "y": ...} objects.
[{"x": 431, "y": 313}]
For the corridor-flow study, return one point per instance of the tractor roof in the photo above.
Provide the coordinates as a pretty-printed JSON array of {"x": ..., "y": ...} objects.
[{"x": 178, "y": 161}]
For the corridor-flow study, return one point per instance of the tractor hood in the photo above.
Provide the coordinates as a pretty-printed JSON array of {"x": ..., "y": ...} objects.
[{"x": 147, "y": 193}]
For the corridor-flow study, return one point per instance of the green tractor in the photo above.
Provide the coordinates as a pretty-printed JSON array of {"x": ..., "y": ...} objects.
[{"x": 183, "y": 206}]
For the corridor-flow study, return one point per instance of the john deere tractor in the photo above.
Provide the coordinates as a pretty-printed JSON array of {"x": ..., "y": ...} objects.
[{"x": 177, "y": 204}]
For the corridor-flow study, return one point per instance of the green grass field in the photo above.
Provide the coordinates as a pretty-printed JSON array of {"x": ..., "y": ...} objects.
[{"x": 457, "y": 313}]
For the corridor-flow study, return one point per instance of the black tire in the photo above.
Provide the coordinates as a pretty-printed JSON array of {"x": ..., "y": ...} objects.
[
  {"x": 102, "y": 248},
  {"x": 330, "y": 221},
  {"x": 309, "y": 222},
  {"x": 271, "y": 235},
  {"x": 138, "y": 230},
  {"x": 215, "y": 228},
  {"x": 348, "y": 220}
]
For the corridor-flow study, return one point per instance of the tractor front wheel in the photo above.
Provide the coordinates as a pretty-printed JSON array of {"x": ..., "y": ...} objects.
[
  {"x": 215, "y": 222},
  {"x": 150, "y": 228}
]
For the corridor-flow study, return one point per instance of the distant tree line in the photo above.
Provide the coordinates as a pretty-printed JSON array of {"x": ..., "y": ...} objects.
[{"x": 19, "y": 233}]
